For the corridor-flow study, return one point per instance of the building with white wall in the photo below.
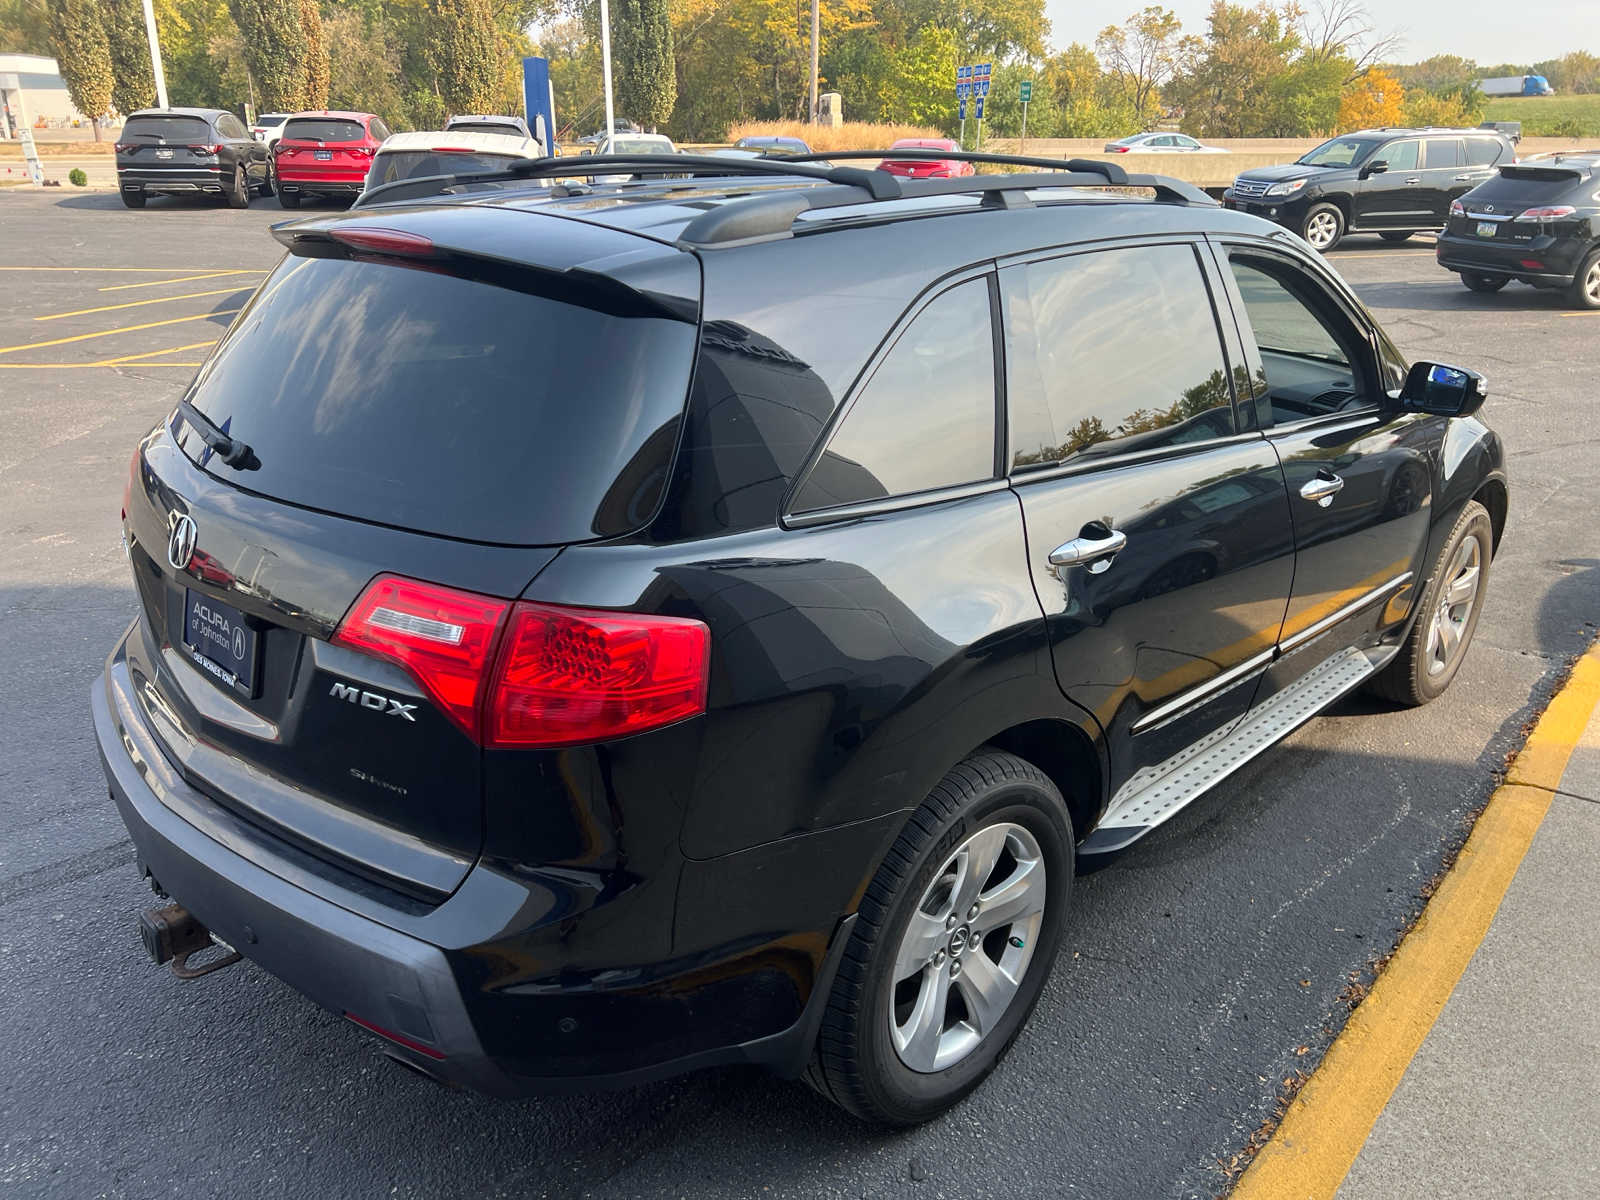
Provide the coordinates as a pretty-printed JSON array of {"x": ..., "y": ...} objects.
[{"x": 32, "y": 84}]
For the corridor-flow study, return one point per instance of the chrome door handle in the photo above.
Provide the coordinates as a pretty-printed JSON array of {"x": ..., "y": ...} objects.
[
  {"x": 1095, "y": 553},
  {"x": 1467, "y": 178},
  {"x": 1322, "y": 488},
  {"x": 1415, "y": 179}
]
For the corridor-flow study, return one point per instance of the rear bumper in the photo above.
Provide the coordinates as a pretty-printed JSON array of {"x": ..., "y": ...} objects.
[
  {"x": 1557, "y": 258},
  {"x": 322, "y": 187},
  {"x": 548, "y": 1037},
  {"x": 176, "y": 180}
]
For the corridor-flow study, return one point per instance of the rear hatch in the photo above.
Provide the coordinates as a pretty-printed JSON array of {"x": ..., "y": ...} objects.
[
  {"x": 324, "y": 149},
  {"x": 411, "y": 413},
  {"x": 1521, "y": 203},
  {"x": 175, "y": 143}
]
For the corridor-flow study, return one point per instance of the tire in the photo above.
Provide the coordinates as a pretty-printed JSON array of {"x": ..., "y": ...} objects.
[
  {"x": 1323, "y": 227},
  {"x": 266, "y": 188},
  {"x": 289, "y": 199},
  {"x": 1419, "y": 673},
  {"x": 1484, "y": 283},
  {"x": 238, "y": 196},
  {"x": 133, "y": 199},
  {"x": 992, "y": 805},
  {"x": 1586, "y": 284},
  {"x": 1396, "y": 235}
]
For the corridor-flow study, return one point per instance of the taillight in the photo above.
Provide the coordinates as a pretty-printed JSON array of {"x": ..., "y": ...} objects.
[
  {"x": 126, "y": 147},
  {"x": 1457, "y": 209},
  {"x": 1119, "y": 149},
  {"x": 570, "y": 675},
  {"x": 363, "y": 151},
  {"x": 1552, "y": 213},
  {"x": 383, "y": 241},
  {"x": 530, "y": 675},
  {"x": 206, "y": 149},
  {"x": 444, "y": 637}
]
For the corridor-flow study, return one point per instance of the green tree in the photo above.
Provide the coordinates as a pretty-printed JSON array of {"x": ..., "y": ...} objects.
[
  {"x": 1438, "y": 73},
  {"x": 464, "y": 54},
  {"x": 316, "y": 60},
  {"x": 363, "y": 65},
  {"x": 24, "y": 27},
  {"x": 920, "y": 83},
  {"x": 1237, "y": 86},
  {"x": 642, "y": 63},
  {"x": 1143, "y": 54},
  {"x": 133, "y": 82},
  {"x": 274, "y": 45},
  {"x": 83, "y": 56}
]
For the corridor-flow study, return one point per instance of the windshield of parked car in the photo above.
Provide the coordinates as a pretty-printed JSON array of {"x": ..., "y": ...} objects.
[
  {"x": 391, "y": 165},
  {"x": 1338, "y": 152},
  {"x": 323, "y": 129},
  {"x": 171, "y": 129}
]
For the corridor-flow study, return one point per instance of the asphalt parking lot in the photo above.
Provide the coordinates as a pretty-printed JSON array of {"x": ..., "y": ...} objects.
[{"x": 1203, "y": 969}]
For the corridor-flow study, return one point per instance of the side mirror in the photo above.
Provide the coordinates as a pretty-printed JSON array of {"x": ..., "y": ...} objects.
[
  {"x": 1376, "y": 168},
  {"x": 1447, "y": 391}
]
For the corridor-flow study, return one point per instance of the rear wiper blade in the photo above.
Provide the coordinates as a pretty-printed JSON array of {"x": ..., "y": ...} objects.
[{"x": 229, "y": 448}]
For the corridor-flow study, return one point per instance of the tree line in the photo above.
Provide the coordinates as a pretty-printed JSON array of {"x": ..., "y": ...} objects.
[{"x": 694, "y": 68}]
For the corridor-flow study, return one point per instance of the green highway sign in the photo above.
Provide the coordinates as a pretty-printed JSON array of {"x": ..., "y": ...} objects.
[{"x": 1027, "y": 90}]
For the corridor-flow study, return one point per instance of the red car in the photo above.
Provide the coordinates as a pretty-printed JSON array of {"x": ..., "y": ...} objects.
[
  {"x": 931, "y": 167},
  {"x": 325, "y": 154}
]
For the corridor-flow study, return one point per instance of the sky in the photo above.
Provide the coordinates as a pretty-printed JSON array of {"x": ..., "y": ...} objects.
[{"x": 1474, "y": 29}]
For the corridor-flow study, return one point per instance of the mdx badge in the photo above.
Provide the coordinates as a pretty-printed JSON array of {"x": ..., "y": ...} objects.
[
  {"x": 181, "y": 537},
  {"x": 373, "y": 700}
]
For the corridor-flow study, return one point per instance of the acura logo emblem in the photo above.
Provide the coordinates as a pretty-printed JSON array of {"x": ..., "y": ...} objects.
[{"x": 181, "y": 535}]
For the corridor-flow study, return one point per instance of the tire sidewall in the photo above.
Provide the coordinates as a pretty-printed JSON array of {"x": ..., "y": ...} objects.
[
  {"x": 1339, "y": 230},
  {"x": 1477, "y": 525},
  {"x": 1580, "y": 298},
  {"x": 909, "y": 1094}
]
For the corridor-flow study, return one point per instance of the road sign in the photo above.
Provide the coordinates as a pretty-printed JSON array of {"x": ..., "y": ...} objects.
[
  {"x": 961, "y": 108},
  {"x": 980, "y": 106},
  {"x": 1026, "y": 90}
]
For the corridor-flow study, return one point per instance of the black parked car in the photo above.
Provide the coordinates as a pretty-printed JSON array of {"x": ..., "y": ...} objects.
[
  {"x": 1393, "y": 182},
  {"x": 762, "y": 707},
  {"x": 1538, "y": 222},
  {"x": 183, "y": 151}
]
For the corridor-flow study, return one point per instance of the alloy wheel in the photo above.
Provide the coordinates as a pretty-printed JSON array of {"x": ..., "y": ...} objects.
[
  {"x": 1455, "y": 606},
  {"x": 967, "y": 947},
  {"x": 1321, "y": 230},
  {"x": 1591, "y": 284}
]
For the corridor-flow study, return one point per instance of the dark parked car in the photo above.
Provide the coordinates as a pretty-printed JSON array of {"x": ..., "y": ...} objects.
[
  {"x": 1393, "y": 182},
  {"x": 762, "y": 707},
  {"x": 1538, "y": 222},
  {"x": 773, "y": 143},
  {"x": 185, "y": 151}
]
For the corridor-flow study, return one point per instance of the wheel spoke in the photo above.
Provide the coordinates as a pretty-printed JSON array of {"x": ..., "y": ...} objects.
[
  {"x": 1449, "y": 637},
  {"x": 918, "y": 1039},
  {"x": 977, "y": 859},
  {"x": 1433, "y": 640},
  {"x": 1015, "y": 898},
  {"x": 986, "y": 989},
  {"x": 1463, "y": 587},
  {"x": 926, "y": 934}
]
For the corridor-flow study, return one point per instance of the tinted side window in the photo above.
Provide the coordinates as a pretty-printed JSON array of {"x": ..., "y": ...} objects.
[
  {"x": 1112, "y": 351},
  {"x": 229, "y": 126},
  {"x": 1313, "y": 360},
  {"x": 1401, "y": 156},
  {"x": 926, "y": 417},
  {"x": 1483, "y": 152},
  {"x": 377, "y": 129},
  {"x": 1442, "y": 152}
]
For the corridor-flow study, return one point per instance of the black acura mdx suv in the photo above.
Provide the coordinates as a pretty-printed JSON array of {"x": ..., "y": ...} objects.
[
  {"x": 589, "y": 633},
  {"x": 1393, "y": 182}
]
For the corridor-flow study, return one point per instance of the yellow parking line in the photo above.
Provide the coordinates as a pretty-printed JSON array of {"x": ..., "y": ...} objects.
[
  {"x": 89, "y": 366},
  {"x": 1591, "y": 313},
  {"x": 111, "y": 362},
  {"x": 1312, "y": 1150},
  {"x": 122, "y": 287},
  {"x": 133, "y": 270},
  {"x": 83, "y": 337},
  {"x": 84, "y": 312}
]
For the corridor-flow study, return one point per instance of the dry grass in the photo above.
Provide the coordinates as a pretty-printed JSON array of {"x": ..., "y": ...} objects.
[{"x": 852, "y": 135}]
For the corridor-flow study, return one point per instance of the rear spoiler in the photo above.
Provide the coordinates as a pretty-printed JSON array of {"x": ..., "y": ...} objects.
[{"x": 1541, "y": 172}]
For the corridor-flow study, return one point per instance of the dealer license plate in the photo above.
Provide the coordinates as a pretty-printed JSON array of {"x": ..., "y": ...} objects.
[{"x": 220, "y": 641}]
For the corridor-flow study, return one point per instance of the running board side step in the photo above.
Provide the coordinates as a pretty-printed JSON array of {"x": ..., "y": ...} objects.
[{"x": 1158, "y": 793}]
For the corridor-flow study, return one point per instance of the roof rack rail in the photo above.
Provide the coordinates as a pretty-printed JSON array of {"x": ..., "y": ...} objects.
[{"x": 775, "y": 214}]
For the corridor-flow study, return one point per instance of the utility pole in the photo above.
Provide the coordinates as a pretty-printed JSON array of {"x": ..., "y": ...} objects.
[
  {"x": 605, "y": 63},
  {"x": 816, "y": 32},
  {"x": 155, "y": 53}
]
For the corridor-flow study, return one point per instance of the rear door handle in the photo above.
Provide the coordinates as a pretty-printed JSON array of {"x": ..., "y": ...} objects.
[
  {"x": 1415, "y": 179},
  {"x": 1468, "y": 178},
  {"x": 1094, "y": 552},
  {"x": 1322, "y": 488}
]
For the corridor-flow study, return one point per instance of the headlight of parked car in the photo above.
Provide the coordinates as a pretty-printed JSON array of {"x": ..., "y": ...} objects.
[{"x": 1286, "y": 189}]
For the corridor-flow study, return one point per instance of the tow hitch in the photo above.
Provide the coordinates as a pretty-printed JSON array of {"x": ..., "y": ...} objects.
[{"x": 171, "y": 934}]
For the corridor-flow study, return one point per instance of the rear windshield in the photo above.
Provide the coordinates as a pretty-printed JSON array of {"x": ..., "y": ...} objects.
[
  {"x": 487, "y": 127},
  {"x": 1525, "y": 185},
  {"x": 171, "y": 129},
  {"x": 392, "y": 165},
  {"x": 432, "y": 402},
  {"x": 324, "y": 129},
  {"x": 270, "y": 122},
  {"x": 639, "y": 146}
]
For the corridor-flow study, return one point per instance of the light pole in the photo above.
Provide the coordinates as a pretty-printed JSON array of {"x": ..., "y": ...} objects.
[
  {"x": 605, "y": 63},
  {"x": 816, "y": 31},
  {"x": 155, "y": 53}
]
